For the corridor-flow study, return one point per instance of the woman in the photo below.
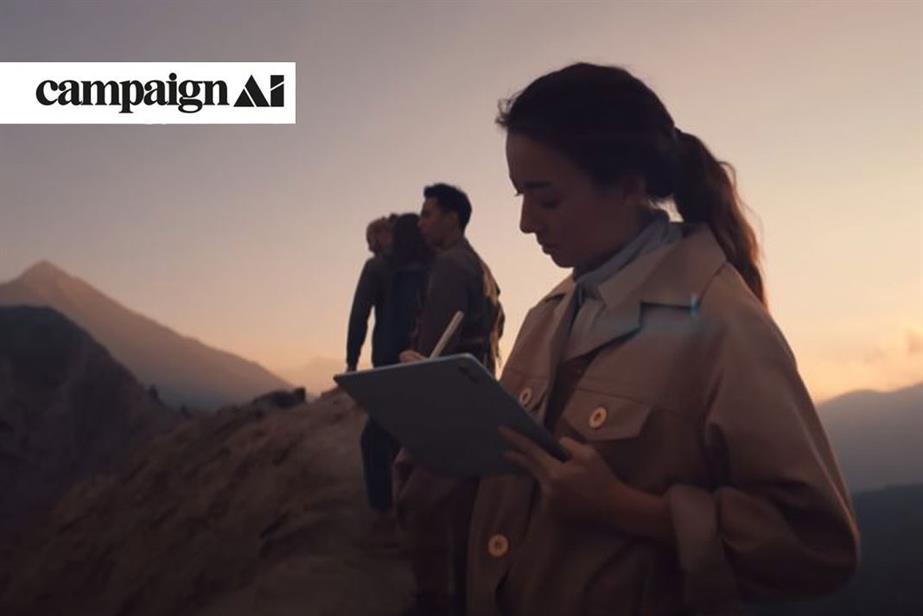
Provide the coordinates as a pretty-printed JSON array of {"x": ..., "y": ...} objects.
[
  {"x": 410, "y": 259},
  {"x": 699, "y": 476}
]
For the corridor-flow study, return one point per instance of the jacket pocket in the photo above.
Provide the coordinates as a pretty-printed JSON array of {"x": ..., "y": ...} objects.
[
  {"x": 597, "y": 416},
  {"x": 645, "y": 445}
]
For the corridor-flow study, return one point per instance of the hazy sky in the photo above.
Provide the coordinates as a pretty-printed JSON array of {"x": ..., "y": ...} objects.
[{"x": 250, "y": 238}]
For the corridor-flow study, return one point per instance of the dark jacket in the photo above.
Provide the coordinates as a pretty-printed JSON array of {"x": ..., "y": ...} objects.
[
  {"x": 460, "y": 280},
  {"x": 402, "y": 311},
  {"x": 371, "y": 291}
]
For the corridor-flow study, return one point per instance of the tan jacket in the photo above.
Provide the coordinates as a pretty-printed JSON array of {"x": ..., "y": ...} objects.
[{"x": 693, "y": 394}]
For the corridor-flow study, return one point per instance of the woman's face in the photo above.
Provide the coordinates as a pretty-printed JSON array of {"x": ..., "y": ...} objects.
[{"x": 576, "y": 222}]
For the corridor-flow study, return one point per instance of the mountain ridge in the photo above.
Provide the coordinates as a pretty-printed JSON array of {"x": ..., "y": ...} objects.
[
  {"x": 185, "y": 370},
  {"x": 874, "y": 436},
  {"x": 68, "y": 409}
]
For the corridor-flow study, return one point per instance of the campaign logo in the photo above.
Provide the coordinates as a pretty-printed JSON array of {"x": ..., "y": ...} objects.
[
  {"x": 144, "y": 93},
  {"x": 188, "y": 96},
  {"x": 252, "y": 96}
]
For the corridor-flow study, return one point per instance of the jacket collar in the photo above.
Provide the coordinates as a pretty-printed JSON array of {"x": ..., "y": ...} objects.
[
  {"x": 672, "y": 275},
  {"x": 675, "y": 274}
]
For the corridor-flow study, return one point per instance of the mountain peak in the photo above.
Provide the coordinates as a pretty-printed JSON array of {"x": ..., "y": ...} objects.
[
  {"x": 185, "y": 371},
  {"x": 44, "y": 270}
]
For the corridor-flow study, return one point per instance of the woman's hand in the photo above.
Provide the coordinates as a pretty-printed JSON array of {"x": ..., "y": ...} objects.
[
  {"x": 584, "y": 488},
  {"x": 409, "y": 356}
]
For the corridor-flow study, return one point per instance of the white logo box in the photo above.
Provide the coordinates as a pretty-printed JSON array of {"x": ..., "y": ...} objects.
[{"x": 20, "y": 103}]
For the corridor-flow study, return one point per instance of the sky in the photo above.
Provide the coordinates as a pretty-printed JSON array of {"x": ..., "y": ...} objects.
[{"x": 250, "y": 238}]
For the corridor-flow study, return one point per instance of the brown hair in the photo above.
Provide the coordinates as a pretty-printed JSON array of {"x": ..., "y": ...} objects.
[
  {"x": 377, "y": 226},
  {"x": 609, "y": 123},
  {"x": 409, "y": 245}
]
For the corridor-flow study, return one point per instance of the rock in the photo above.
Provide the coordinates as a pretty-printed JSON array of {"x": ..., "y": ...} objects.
[
  {"x": 244, "y": 512},
  {"x": 282, "y": 398}
]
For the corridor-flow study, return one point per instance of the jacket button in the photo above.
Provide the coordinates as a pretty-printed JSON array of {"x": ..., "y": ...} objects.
[
  {"x": 525, "y": 396},
  {"x": 498, "y": 546},
  {"x": 598, "y": 417}
]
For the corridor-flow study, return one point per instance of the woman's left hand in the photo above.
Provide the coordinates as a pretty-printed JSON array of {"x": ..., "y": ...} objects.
[{"x": 582, "y": 488}]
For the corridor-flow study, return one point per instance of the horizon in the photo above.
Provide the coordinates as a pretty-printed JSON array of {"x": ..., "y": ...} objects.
[
  {"x": 250, "y": 238},
  {"x": 319, "y": 363}
]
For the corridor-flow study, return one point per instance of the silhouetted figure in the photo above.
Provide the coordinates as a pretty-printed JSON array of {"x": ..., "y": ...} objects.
[
  {"x": 410, "y": 260},
  {"x": 435, "y": 510},
  {"x": 460, "y": 280},
  {"x": 371, "y": 292}
]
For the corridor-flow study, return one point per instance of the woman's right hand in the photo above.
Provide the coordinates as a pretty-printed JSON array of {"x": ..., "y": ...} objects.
[
  {"x": 584, "y": 488},
  {"x": 409, "y": 356}
]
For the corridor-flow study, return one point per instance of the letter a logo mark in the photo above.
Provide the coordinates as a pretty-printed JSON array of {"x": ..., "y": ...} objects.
[{"x": 252, "y": 96}]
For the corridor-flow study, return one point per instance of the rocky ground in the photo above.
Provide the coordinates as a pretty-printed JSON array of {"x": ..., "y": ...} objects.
[
  {"x": 250, "y": 511},
  {"x": 112, "y": 504}
]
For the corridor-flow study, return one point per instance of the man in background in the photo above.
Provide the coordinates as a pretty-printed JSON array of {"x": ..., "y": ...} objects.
[
  {"x": 459, "y": 281},
  {"x": 371, "y": 292},
  {"x": 435, "y": 511}
]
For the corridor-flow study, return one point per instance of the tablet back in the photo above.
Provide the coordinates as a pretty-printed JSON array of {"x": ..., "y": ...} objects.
[{"x": 446, "y": 412}]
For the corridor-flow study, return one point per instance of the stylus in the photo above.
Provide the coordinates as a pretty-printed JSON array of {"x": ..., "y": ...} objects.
[{"x": 447, "y": 334}]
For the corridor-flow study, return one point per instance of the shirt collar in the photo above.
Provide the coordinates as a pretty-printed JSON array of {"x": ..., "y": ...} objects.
[
  {"x": 674, "y": 273},
  {"x": 656, "y": 231}
]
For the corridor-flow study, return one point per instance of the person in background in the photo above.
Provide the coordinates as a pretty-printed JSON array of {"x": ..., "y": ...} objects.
[
  {"x": 460, "y": 281},
  {"x": 433, "y": 510},
  {"x": 410, "y": 261},
  {"x": 371, "y": 292}
]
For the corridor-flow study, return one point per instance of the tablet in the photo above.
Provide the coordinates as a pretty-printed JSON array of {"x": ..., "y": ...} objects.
[{"x": 446, "y": 412}]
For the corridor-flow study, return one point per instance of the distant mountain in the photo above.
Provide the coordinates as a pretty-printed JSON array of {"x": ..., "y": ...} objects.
[
  {"x": 184, "y": 371},
  {"x": 877, "y": 436},
  {"x": 67, "y": 411}
]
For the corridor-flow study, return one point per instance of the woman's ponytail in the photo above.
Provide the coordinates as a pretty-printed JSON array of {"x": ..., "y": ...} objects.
[
  {"x": 609, "y": 123},
  {"x": 705, "y": 191}
]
